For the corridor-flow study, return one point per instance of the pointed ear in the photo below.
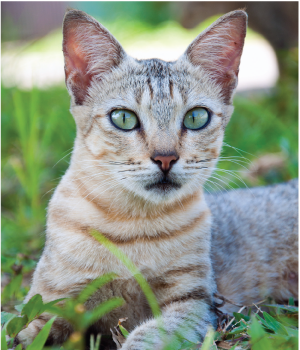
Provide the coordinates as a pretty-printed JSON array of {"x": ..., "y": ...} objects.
[
  {"x": 219, "y": 48},
  {"x": 89, "y": 50}
]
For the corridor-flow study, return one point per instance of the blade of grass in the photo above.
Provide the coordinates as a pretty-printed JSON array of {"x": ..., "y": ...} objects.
[
  {"x": 101, "y": 310},
  {"x": 132, "y": 269},
  {"x": 259, "y": 338},
  {"x": 91, "y": 288},
  {"x": 40, "y": 340},
  {"x": 208, "y": 341},
  {"x": 20, "y": 121},
  {"x": 3, "y": 340}
]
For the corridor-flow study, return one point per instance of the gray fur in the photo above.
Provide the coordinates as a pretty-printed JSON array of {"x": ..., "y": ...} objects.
[{"x": 255, "y": 243}]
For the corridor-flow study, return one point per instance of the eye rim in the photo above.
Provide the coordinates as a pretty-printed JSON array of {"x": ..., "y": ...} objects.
[
  {"x": 203, "y": 126},
  {"x": 138, "y": 125}
]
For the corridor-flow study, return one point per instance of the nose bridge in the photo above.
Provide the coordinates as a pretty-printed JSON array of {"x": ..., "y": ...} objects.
[
  {"x": 164, "y": 150},
  {"x": 163, "y": 142}
]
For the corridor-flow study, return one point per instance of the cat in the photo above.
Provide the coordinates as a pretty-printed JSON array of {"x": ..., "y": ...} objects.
[{"x": 149, "y": 134}]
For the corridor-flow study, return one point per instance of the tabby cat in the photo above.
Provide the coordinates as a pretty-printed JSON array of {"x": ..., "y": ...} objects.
[{"x": 149, "y": 134}]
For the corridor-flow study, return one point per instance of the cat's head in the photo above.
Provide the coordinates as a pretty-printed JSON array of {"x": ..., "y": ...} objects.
[{"x": 150, "y": 128}]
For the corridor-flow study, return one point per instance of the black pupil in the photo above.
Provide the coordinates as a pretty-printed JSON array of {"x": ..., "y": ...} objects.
[
  {"x": 193, "y": 115},
  {"x": 124, "y": 118}
]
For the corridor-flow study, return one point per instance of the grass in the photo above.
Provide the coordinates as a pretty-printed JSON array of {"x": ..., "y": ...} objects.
[{"x": 37, "y": 138}]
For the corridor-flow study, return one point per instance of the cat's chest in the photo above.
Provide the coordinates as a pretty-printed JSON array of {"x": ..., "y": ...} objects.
[{"x": 151, "y": 243}]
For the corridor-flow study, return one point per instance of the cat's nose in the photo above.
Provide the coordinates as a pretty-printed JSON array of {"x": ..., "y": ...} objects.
[{"x": 165, "y": 162}]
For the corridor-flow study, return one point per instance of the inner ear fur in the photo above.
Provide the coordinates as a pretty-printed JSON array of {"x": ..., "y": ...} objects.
[
  {"x": 219, "y": 48},
  {"x": 89, "y": 50}
]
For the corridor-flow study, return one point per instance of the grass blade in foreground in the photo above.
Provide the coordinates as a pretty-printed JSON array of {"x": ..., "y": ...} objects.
[
  {"x": 3, "y": 340},
  {"x": 40, "y": 340},
  {"x": 208, "y": 341},
  {"x": 132, "y": 269}
]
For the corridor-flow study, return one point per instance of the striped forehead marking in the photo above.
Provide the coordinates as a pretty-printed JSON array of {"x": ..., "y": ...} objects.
[{"x": 159, "y": 78}]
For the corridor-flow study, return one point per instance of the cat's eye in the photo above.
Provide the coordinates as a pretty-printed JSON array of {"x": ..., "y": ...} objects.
[
  {"x": 196, "y": 118},
  {"x": 124, "y": 119}
]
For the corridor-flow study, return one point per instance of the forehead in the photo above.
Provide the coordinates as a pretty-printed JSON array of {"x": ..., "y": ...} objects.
[
  {"x": 158, "y": 88},
  {"x": 160, "y": 77}
]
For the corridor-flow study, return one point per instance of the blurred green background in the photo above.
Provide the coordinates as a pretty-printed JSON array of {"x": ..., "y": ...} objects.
[{"x": 38, "y": 131}]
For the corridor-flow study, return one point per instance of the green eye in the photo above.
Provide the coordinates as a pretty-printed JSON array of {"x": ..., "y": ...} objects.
[
  {"x": 196, "y": 118},
  {"x": 124, "y": 119}
]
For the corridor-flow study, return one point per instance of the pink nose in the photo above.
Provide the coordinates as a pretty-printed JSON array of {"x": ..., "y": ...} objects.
[{"x": 165, "y": 162}]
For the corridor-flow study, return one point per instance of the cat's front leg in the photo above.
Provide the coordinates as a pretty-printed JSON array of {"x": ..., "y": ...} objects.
[
  {"x": 60, "y": 331},
  {"x": 180, "y": 320}
]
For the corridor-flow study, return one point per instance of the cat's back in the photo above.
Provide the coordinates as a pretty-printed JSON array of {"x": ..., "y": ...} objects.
[
  {"x": 271, "y": 210},
  {"x": 255, "y": 242}
]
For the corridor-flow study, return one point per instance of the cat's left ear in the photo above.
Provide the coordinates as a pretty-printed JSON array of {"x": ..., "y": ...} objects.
[
  {"x": 90, "y": 51},
  {"x": 218, "y": 50}
]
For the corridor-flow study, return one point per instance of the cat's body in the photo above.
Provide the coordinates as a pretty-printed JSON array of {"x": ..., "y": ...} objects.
[
  {"x": 140, "y": 187},
  {"x": 255, "y": 244},
  {"x": 170, "y": 247}
]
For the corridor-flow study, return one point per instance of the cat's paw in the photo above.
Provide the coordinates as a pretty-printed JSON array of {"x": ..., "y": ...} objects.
[{"x": 14, "y": 344}]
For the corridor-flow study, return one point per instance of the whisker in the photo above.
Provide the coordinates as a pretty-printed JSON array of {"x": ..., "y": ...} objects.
[
  {"x": 72, "y": 148},
  {"x": 218, "y": 185},
  {"x": 61, "y": 159},
  {"x": 108, "y": 188},
  {"x": 121, "y": 171},
  {"x": 235, "y": 162},
  {"x": 237, "y": 149},
  {"x": 235, "y": 175},
  {"x": 239, "y": 161},
  {"x": 228, "y": 179},
  {"x": 227, "y": 184},
  {"x": 100, "y": 184}
]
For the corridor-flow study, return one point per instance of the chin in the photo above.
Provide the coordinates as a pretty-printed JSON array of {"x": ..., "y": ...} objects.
[
  {"x": 163, "y": 187},
  {"x": 162, "y": 191}
]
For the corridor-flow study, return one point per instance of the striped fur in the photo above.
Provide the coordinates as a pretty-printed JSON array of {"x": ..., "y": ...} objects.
[{"x": 108, "y": 184}]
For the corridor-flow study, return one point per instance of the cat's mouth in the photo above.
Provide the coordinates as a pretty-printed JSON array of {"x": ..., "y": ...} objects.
[{"x": 164, "y": 185}]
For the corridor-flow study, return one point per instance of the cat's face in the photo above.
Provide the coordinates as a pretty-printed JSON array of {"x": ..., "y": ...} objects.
[{"x": 150, "y": 128}]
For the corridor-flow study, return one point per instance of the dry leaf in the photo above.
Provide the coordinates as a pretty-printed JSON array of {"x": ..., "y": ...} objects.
[
  {"x": 224, "y": 345},
  {"x": 117, "y": 336}
]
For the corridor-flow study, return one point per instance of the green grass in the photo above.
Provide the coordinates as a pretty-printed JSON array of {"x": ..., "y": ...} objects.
[{"x": 37, "y": 137}]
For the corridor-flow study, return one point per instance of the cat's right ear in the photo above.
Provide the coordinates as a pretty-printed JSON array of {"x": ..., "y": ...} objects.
[{"x": 90, "y": 51}]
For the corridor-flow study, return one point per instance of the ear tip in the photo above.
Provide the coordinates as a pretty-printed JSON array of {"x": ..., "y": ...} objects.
[
  {"x": 238, "y": 18},
  {"x": 73, "y": 14},
  {"x": 242, "y": 14},
  {"x": 71, "y": 11}
]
